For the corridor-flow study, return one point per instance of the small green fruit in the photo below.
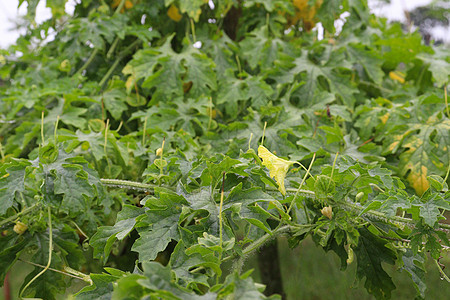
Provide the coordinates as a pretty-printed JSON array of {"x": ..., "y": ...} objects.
[{"x": 359, "y": 196}]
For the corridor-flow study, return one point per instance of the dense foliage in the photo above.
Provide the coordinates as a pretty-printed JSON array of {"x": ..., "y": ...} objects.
[{"x": 142, "y": 145}]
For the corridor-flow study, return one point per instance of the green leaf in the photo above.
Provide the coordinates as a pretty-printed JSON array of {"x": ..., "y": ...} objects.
[
  {"x": 105, "y": 236},
  {"x": 102, "y": 288},
  {"x": 439, "y": 66},
  {"x": 11, "y": 182},
  {"x": 48, "y": 284},
  {"x": 127, "y": 287},
  {"x": 114, "y": 101},
  {"x": 269, "y": 5},
  {"x": 242, "y": 287},
  {"x": 192, "y": 8},
  {"x": 199, "y": 71},
  {"x": 12, "y": 246},
  {"x": 71, "y": 181},
  {"x": 311, "y": 74},
  {"x": 159, "y": 226},
  {"x": 246, "y": 197},
  {"x": 413, "y": 264},
  {"x": 181, "y": 264},
  {"x": 429, "y": 209},
  {"x": 159, "y": 280},
  {"x": 259, "y": 41},
  {"x": 57, "y": 7},
  {"x": 388, "y": 205},
  {"x": 368, "y": 59},
  {"x": 96, "y": 29},
  {"x": 164, "y": 69},
  {"x": 371, "y": 252},
  {"x": 328, "y": 13},
  {"x": 214, "y": 171}
]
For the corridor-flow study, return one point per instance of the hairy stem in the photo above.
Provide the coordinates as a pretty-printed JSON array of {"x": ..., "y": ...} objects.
[
  {"x": 14, "y": 217},
  {"x": 443, "y": 275},
  {"x": 261, "y": 241},
  {"x": 88, "y": 62},
  {"x": 131, "y": 184},
  {"x": 305, "y": 193},
  {"x": 117, "y": 61}
]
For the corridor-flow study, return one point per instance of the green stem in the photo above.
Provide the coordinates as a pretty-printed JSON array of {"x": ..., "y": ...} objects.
[
  {"x": 113, "y": 47},
  {"x": 80, "y": 230},
  {"x": 220, "y": 214},
  {"x": 111, "y": 69},
  {"x": 119, "y": 8},
  {"x": 94, "y": 53},
  {"x": 161, "y": 167},
  {"x": 332, "y": 169},
  {"x": 446, "y": 174},
  {"x": 117, "y": 61},
  {"x": 78, "y": 274},
  {"x": 378, "y": 215},
  {"x": 443, "y": 275},
  {"x": 42, "y": 128},
  {"x": 255, "y": 245},
  {"x": 131, "y": 184},
  {"x": 300, "y": 186},
  {"x": 239, "y": 66},
  {"x": 50, "y": 247},
  {"x": 446, "y": 102},
  {"x": 88, "y": 62},
  {"x": 193, "y": 30},
  {"x": 2, "y": 153},
  {"x": 304, "y": 193},
  {"x": 55, "y": 134},
  {"x": 376, "y": 86},
  {"x": 210, "y": 112},
  {"x": 221, "y": 222},
  {"x": 264, "y": 133},
  {"x": 261, "y": 241},
  {"x": 51, "y": 269},
  {"x": 144, "y": 132},
  {"x": 14, "y": 217}
]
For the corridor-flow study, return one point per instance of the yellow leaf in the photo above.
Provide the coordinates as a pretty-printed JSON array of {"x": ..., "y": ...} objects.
[
  {"x": 127, "y": 5},
  {"x": 211, "y": 112},
  {"x": 129, "y": 84},
  {"x": 384, "y": 118},
  {"x": 173, "y": 13},
  {"x": 277, "y": 167},
  {"x": 306, "y": 13},
  {"x": 418, "y": 179},
  {"x": 397, "y": 76}
]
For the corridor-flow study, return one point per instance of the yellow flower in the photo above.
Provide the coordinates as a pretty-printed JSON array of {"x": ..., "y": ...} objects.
[
  {"x": 174, "y": 13},
  {"x": 278, "y": 167}
]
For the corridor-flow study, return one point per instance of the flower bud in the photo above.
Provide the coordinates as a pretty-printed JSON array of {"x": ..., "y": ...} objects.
[
  {"x": 20, "y": 227},
  {"x": 327, "y": 211}
]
